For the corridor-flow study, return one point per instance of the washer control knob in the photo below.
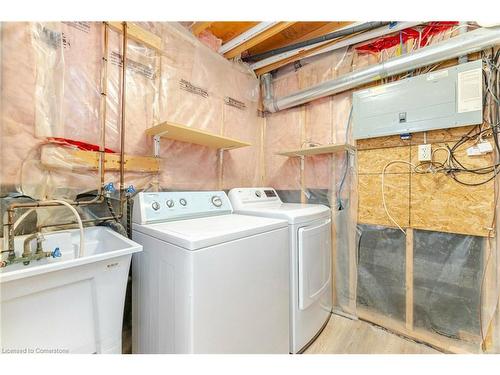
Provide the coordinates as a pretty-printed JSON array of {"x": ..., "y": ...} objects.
[
  {"x": 183, "y": 202},
  {"x": 258, "y": 193},
  {"x": 170, "y": 203},
  {"x": 155, "y": 206},
  {"x": 216, "y": 201}
]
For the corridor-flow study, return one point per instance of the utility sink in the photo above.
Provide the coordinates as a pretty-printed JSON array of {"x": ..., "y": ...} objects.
[{"x": 67, "y": 304}]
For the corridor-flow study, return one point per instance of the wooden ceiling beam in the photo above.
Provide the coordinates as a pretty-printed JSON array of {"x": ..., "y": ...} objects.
[
  {"x": 198, "y": 27},
  {"x": 259, "y": 38},
  {"x": 137, "y": 34},
  {"x": 323, "y": 30},
  {"x": 299, "y": 56},
  {"x": 286, "y": 37}
]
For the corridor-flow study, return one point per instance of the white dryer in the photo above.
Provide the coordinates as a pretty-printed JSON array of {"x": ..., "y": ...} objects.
[
  {"x": 208, "y": 280},
  {"x": 310, "y": 258}
]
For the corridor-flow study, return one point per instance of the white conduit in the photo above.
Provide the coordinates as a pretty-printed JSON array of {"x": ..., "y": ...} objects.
[
  {"x": 247, "y": 35},
  {"x": 464, "y": 44}
]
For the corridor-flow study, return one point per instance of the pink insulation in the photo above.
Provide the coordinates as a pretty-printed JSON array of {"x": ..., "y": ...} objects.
[
  {"x": 51, "y": 75},
  {"x": 210, "y": 40},
  {"x": 283, "y": 131}
]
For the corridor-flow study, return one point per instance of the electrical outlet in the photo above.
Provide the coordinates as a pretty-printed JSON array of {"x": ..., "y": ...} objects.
[{"x": 424, "y": 152}]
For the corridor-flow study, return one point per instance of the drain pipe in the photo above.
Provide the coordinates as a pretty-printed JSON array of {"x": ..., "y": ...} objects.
[{"x": 470, "y": 42}]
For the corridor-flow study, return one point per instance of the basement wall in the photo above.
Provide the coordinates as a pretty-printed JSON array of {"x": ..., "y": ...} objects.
[
  {"x": 380, "y": 274},
  {"x": 51, "y": 88}
]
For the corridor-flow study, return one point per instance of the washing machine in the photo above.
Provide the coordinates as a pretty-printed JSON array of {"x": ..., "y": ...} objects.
[
  {"x": 208, "y": 280},
  {"x": 310, "y": 258}
]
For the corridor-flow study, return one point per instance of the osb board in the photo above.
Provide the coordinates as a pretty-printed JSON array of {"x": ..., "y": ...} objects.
[
  {"x": 441, "y": 204},
  {"x": 432, "y": 136},
  {"x": 397, "y": 191},
  {"x": 373, "y": 161},
  {"x": 460, "y": 153},
  {"x": 436, "y": 201}
]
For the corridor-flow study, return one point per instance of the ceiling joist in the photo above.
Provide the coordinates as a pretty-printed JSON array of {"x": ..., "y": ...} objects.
[
  {"x": 198, "y": 27},
  {"x": 257, "y": 38}
]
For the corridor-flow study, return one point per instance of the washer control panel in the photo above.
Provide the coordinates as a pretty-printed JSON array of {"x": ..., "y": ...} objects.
[{"x": 151, "y": 207}]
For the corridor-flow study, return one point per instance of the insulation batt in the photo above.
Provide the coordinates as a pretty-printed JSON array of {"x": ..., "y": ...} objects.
[{"x": 51, "y": 76}]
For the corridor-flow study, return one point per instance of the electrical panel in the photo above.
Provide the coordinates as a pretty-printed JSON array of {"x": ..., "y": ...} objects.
[{"x": 436, "y": 100}]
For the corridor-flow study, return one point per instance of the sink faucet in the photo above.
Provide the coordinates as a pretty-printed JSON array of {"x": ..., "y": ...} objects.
[{"x": 27, "y": 241}]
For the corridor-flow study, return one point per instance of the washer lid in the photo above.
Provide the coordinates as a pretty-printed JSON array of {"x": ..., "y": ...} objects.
[
  {"x": 194, "y": 234},
  {"x": 292, "y": 212}
]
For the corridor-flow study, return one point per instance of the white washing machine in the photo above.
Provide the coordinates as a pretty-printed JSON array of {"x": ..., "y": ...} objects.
[
  {"x": 208, "y": 280},
  {"x": 310, "y": 258}
]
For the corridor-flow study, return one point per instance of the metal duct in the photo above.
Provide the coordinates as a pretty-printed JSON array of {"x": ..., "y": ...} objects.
[{"x": 470, "y": 42}]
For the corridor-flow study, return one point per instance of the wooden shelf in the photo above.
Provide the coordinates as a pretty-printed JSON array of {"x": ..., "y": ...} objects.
[
  {"x": 318, "y": 150},
  {"x": 138, "y": 34},
  {"x": 67, "y": 158},
  {"x": 200, "y": 137}
]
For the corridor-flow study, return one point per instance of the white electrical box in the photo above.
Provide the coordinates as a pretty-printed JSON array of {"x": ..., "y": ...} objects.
[
  {"x": 440, "y": 99},
  {"x": 425, "y": 152}
]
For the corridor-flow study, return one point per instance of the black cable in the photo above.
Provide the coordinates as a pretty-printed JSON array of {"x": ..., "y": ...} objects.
[
  {"x": 129, "y": 217},
  {"x": 111, "y": 210}
]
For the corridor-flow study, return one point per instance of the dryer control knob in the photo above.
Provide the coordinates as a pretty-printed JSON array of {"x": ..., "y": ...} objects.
[
  {"x": 155, "y": 205},
  {"x": 216, "y": 201},
  {"x": 170, "y": 203},
  {"x": 183, "y": 202}
]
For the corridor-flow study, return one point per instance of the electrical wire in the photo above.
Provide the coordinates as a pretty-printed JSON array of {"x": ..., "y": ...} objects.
[{"x": 383, "y": 192}]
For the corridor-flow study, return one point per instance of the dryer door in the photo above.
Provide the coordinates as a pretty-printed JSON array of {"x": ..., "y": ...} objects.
[{"x": 314, "y": 262}]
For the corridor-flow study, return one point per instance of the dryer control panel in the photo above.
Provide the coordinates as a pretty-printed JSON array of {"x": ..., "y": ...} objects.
[
  {"x": 245, "y": 196},
  {"x": 154, "y": 207}
]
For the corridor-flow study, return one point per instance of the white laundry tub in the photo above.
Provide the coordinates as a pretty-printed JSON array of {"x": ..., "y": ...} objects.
[{"x": 67, "y": 304}]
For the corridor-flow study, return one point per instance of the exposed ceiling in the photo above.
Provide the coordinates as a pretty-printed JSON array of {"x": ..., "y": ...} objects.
[{"x": 279, "y": 34}]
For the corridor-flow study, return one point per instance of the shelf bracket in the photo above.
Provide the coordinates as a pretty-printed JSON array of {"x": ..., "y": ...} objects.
[{"x": 156, "y": 146}]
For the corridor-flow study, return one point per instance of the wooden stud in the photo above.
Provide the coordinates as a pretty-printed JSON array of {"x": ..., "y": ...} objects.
[
  {"x": 198, "y": 27},
  {"x": 353, "y": 277},
  {"x": 263, "y": 124},
  {"x": 409, "y": 279},
  {"x": 138, "y": 34},
  {"x": 258, "y": 39},
  {"x": 221, "y": 151}
]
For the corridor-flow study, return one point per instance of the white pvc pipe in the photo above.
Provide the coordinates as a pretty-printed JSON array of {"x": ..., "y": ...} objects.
[{"x": 249, "y": 34}]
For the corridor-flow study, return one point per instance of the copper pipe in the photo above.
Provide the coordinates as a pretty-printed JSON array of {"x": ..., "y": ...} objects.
[
  {"x": 87, "y": 221},
  {"x": 122, "y": 117},
  {"x": 104, "y": 103},
  {"x": 100, "y": 196}
]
